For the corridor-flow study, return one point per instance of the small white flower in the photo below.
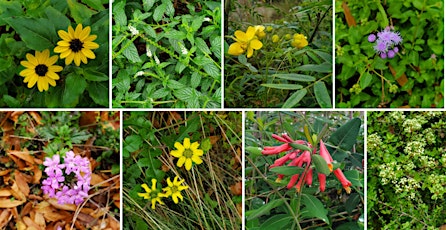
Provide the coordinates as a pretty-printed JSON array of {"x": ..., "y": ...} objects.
[
  {"x": 133, "y": 30},
  {"x": 206, "y": 19},
  {"x": 148, "y": 52},
  {"x": 183, "y": 49},
  {"x": 157, "y": 61},
  {"x": 140, "y": 73}
]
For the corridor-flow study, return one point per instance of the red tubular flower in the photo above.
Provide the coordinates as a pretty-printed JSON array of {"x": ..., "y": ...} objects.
[
  {"x": 345, "y": 183},
  {"x": 322, "y": 179},
  {"x": 309, "y": 177},
  {"x": 326, "y": 155},
  {"x": 276, "y": 149},
  {"x": 292, "y": 181},
  {"x": 279, "y": 138},
  {"x": 282, "y": 160},
  {"x": 288, "y": 138}
]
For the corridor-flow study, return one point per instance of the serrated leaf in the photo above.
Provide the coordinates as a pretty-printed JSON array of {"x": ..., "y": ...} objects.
[
  {"x": 196, "y": 23},
  {"x": 321, "y": 93},
  {"x": 287, "y": 170},
  {"x": 131, "y": 53},
  {"x": 175, "y": 84},
  {"x": 170, "y": 10},
  {"x": 320, "y": 164},
  {"x": 159, "y": 12},
  {"x": 147, "y": 4},
  {"x": 74, "y": 87},
  {"x": 201, "y": 44},
  {"x": 365, "y": 80},
  {"x": 212, "y": 70},
  {"x": 119, "y": 13},
  {"x": 216, "y": 46},
  {"x": 313, "y": 208},
  {"x": 295, "y": 77},
  {"x": 160, "y": 93},
  {"x": 195, "y": 80},
  {"x": 295, "y": 98},
  {"x": 283, "y": 86},
  {"x": 177, "y": 36}
]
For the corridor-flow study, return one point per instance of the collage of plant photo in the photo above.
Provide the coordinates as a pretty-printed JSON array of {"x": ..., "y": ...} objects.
[{"x": 222, "y": 115}]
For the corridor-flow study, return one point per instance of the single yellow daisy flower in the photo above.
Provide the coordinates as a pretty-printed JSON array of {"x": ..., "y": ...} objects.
[
  {"x": 187, "y": 153},
  {"x": 153, "y": 194},
  {"x": 40, "y": 69},
  {"x": 174, "y": 189},
  {"x": 76, "y": 45}
]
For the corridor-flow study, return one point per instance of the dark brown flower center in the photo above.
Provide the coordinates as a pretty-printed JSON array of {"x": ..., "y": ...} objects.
[
  {"x": 41, "y": 70},
  {"x": 76, "y": 45}
]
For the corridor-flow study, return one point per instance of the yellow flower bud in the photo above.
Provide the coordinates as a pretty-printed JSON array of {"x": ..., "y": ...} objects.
[
  {"x": 269, "y": 29},
  {"x": 275, "y": 38},
  {"x": 287, "y": 36}
]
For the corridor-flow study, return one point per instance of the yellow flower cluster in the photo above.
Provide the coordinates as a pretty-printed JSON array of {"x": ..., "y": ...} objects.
[
  {"x": 76, "y": 45},
  {"x": 247, "y": 41},
  {"x": 172, "y": 190},
  {"x": 299, "y": 41}
]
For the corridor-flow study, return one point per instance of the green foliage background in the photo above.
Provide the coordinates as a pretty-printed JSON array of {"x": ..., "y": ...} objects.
[
  {"x": 421, "y": 56},
  {"x": 176, "y": 80},
  {"x": 26, "y": 26},
  {"x": 406, "y": 170}
]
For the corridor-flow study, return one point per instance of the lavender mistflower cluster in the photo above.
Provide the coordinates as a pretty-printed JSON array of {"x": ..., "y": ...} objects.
[
  {"x": 386, "y": 42},
  {"x": 56, "y": 185}
]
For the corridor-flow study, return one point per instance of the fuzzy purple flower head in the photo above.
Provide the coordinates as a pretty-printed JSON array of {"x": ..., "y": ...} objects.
[
  {"x": 57, "y": 186},
  {"x": 386, "y": 42}
]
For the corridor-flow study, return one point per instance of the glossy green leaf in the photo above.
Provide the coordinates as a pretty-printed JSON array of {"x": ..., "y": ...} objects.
[
  {"x": 322, "y": 96},
  {"x": 320, "y": 164},
  {"x": 263, "y": 210},
  {"x": 98, "y": 91},
  {"x": 287, "y": 170},
  {"x": 313, "y": 208},
  {"x": 59, "y": 20},
  {"x": 74, "y": 87},
  {"x": 278, "y": 221},
  {"x": 294, "y": 98},
  {"x": 35, "y": 36}
]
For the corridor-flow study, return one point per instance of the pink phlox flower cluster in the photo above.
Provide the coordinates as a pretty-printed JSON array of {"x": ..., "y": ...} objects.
[
  {"x": 386, "y": 42},
  {"x": 67, "y": 192}
]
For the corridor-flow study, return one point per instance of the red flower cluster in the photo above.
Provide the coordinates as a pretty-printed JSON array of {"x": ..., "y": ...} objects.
[{"x": 300, "y": 157}]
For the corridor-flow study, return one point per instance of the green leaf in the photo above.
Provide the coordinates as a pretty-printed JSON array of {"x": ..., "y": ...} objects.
[
  {"x": 206, "y": 144},
  {"x": 263, "y": 210},
  {"x": 295, "y": 77},
  {"x": 295, "y": 98},
  {"x": 159, "y": 12},
  {"x": 95, "y": 4},
  {"x": 321, "y": 68},
  {"x": 74, "y": 87},
  {"x": 147, "y": 4},
  {"x": 193, "y": 123},
  {"x": 160, "y": 93},
  {"x": 132, "y": 143},
  {"x": 287, "y": 170},
  {"x": 365, "y": 80},
  {"x": 345, "y": 136},
  {"x": 326, "y": 56},
  {"x": 254, "y": 151},
  {"x": 93, "y": 75},
  {"x": 355, "y": 177},
  {"x": 79, "y": 11},
  {"x": 11, "y": 102},
  {"x": 321, "y": 93},
  {"x": 301, "y": 147},
  {"x": 59, "y": 20},
  {"x": 34, "y": 35},
  {"x": 170, "y": 10},
  {"x": 195, "y": 80},
  {"x": 131, "y": 52},
  {"x": 313, "y": 208},
  {"x": 98, "y": 91},
  {"x": 212, "y": 70},
  {"x": 278, "y": 221},
  {"x": 320, "y": 164},
  {"x": 283, "y": 86},
  {"x": 119, "y": 13},
  {"x": 201, "y": 44}
]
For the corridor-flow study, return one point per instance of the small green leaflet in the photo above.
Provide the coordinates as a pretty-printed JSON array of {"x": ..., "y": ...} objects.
[{"x": 320, "y": 163}]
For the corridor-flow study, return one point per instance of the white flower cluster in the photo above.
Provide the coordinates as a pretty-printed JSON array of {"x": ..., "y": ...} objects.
[
  {"x": 415, "y": 148},
  {"x": 396, "y": 117},
  {"x": 374, "y": 142}
]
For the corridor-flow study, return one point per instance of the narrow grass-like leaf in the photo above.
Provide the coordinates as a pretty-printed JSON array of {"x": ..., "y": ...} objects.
[
  {"x": 295, "y": 98},
  {"x": 283, "y": 86},
  {"x": 321, "y": 93},
  {"x": 295, "y": 77}
]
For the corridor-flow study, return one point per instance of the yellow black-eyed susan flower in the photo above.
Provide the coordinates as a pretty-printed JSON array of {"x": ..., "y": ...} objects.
[
  {"x": 40, "y": 69},
  {"x": 76, "y": 45}
]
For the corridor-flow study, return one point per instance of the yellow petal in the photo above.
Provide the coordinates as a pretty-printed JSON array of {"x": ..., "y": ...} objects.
[
  {"x": 52, "y": 60},
  {"x": 250, "y": 32},
  {"x": 91, "y": 45},
  {"x": 153, "y": 184},
  {"x": 197, "y": 159},
  {"x": 235, "y": 49},
  {"x": 78, "y": 31},
  {"x": 198, "y": 152},
  {"x": 64, "y": 35},
  {"x": 84, "y": 34},
  {"x": 27, "y": 72},
  {"x": 194, "y": 146},
  {"x": 61, "y": 49},
  {"x": 53, "y": 76},
  {"x": 241, "y": 36},
  {"x": 179, "y": 146},
  {"x": 176, "y": 153},
  {"x": 27, "y": 64},
  {"x": 88, "y": 53},
  {"x": 186, "y": 143},
  {"x": 32, "y": 81},
  {"x": 66, "y": 53},
  {"x": 249, "y": 52},
  {"x": 77, "y": 59},
  {"x": 50, "y": 81},
  {"x": 63, "y": 43},
  {"x": 188, "y": 164},
  {"x": 55, "y": 68},
  {"x": 181, "y": 161},
  {"x": 146, "y": 188},
  {"x": 32, "y": 59},
  {"x": 255, "y": 44}
]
